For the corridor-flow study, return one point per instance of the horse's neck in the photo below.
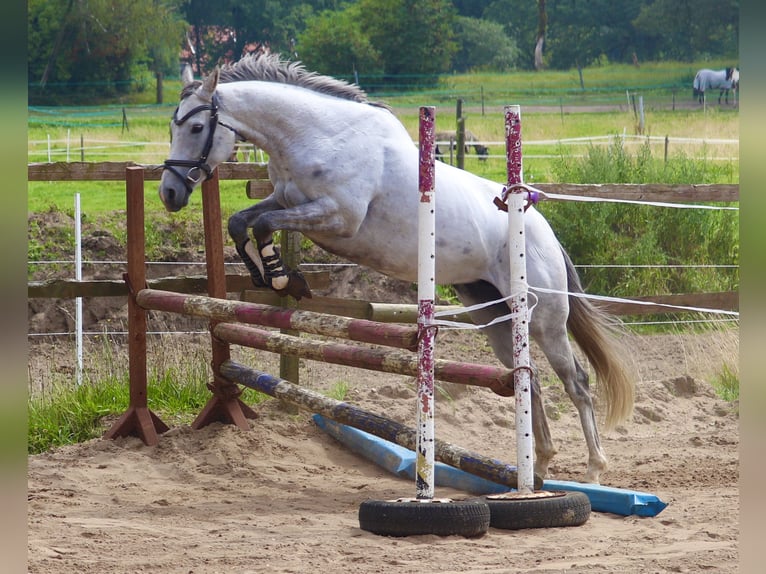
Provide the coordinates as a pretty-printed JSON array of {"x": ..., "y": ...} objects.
[{"x": 270, "y": 115}]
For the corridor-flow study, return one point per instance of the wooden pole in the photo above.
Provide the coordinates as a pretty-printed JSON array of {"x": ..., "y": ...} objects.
[
  {"x": 499, "y": 379},
  {"x": 460, "y": 135},
  {"x": 296, "y": 320},
  {"x": 224, "y": 405},
  {"x": 138, "y": 420},
  {"x": 290, "y": 243},
  {"x": 380, "y": 426}
]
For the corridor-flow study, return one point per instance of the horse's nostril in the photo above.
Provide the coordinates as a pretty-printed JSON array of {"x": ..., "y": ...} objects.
[{"x": 170, "y": 194}]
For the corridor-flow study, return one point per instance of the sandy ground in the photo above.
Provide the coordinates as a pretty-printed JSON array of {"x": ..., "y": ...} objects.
[{"x": 284, "y": 497}]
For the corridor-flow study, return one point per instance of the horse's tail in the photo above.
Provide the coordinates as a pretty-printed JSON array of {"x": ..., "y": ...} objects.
[
  {"x": 696, "y": 85},
  {"x": 596, "y": 334}
]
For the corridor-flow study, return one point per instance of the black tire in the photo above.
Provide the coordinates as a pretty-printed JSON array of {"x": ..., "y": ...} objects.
[
  {"x": 563, "y": 508},
  {"x": 411, "y": 518}
]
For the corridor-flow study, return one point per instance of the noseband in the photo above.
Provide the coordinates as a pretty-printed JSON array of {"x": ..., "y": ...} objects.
[{"x": 196, "y": 167}]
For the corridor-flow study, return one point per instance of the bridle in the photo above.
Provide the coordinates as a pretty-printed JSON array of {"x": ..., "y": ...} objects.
[{"x": 197, "y": 167}]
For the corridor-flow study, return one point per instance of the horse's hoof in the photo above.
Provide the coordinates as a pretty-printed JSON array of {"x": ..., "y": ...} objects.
[
  {"x": 258, "y": 281},
  {"x": 296, "y": 287}
]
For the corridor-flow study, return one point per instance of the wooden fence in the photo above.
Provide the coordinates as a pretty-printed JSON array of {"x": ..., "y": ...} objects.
[{"x": 258, "y": 186}]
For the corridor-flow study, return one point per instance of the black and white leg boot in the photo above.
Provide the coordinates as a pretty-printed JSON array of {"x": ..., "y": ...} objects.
[
  {"x": 252, "y": 261},
  {"x": 279, "y": 277}
]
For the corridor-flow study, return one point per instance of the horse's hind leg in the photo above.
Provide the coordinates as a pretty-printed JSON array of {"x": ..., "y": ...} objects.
[
  {"x": 554, "y": 342},
  {"x": 500, "y": 339}
]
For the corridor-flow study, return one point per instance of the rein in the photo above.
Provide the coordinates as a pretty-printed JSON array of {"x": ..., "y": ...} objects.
[{"x": 196, "y": 167}]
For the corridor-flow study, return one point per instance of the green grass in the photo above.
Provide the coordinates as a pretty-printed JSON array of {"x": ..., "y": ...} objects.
[
  {"x": 726, "y": 384},
  {"x": 67, "y": 413}
]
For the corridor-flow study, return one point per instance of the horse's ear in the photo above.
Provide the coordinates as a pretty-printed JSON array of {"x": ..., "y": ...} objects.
[
  {"x": 187, "y": 75},
  {"x": 210, "y": 82}
]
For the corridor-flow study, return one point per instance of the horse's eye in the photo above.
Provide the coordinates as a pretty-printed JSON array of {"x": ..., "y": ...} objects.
[{"x": 197, "y": 128}]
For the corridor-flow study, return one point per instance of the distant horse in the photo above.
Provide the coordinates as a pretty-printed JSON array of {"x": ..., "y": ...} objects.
[
  {"x": 345, "y": 174},
  {"x": 723, "y": 80},
  {"x": 451, "y": 136}
]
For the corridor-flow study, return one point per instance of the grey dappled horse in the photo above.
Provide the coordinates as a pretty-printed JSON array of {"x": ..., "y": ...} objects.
[
  {"x": 345, "y": 174},
  {"x": 724, "y": 80}
]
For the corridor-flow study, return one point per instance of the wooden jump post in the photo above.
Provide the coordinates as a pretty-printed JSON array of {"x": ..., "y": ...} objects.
[
  {"x": 138, "y": 420},
  {"x": 224, "y": 405}
]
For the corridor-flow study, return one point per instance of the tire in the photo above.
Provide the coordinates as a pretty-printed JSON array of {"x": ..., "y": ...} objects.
[
  {"x": 409, "y": 517},
  {"x": 552, "y": 509}
]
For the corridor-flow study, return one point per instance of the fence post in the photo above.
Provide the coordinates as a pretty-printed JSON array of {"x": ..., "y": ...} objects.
[
  {"x": 290, "y": 242},
  {"x": 460, "y": 135},
  {"x": 225, "y": 405},
  {"x": 138, "y": 420}
]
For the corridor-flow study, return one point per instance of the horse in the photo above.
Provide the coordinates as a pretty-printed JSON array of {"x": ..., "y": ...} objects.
[
  {"x": 345, "y": 174},
  {"x": 450, "y": 137},
  {"x": 724, "y": 80}
]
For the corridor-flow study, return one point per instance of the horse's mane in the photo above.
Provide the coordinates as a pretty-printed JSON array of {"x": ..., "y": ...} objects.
[{"x": 271, "y": 68}]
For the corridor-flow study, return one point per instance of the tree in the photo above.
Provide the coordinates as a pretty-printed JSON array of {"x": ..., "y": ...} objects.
[
  {"x": 333, "y": 43},
  {"x": 484, "y": 45},
  {"x": 471, "y": 8},
  {"x": 101, "y": 48},
  {"x": 519, "y": 20},
  {"x": 687, "y": 30},
  {"x": 414, "y": 37}
]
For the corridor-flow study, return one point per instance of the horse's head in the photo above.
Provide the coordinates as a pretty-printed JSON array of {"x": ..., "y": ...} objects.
[{"x": 197, "y": 146}]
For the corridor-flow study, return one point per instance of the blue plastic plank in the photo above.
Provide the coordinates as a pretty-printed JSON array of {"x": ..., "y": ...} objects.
[{"x": 401, "y": 462}]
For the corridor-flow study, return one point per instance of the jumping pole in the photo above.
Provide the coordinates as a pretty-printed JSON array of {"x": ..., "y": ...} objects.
[
  {"x": 424, "y": 468},
  {"x": 518, "y": 302},
  {"x": 526, "y": 507}
]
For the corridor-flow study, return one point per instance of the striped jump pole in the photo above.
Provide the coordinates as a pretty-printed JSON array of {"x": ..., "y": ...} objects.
[
  {"x": 380, "y": 426},
  {"x": 518, "y": 303},
  {"x": 424, "y": 466},
  {"x": 232, "y": 325},
  {"x": 221, "y": 309},
  {"x": 381, "y": 359}
]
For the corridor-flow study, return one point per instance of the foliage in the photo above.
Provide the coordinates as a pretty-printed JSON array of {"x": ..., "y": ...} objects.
[
  {"x": 67, "y": 413},
  {"x": 586, "y": 33},
  {"x": 102, "y": 50},
  {"x": 413, "y": 36},
  {"x": 582, "y": 34},
  {"x": 519, "y": 20},
  {"x": 222, "y": 30},
  {"x": 689, "y": 30},
  {"x": 396, "y": 38},
  {"x": 726, "y": 383},
  {"x": 96, "y": 49},
  {"x": 483, "y": 46},
  {"x": 617, "y": 234},
  {"x": 333, "y": 43}
]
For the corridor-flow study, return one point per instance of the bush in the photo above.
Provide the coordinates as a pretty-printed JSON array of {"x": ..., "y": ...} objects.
[{"x": 635, "y": 235}]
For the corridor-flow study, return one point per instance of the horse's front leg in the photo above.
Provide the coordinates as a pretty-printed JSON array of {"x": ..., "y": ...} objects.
[{"x": 263, "y": 260}]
